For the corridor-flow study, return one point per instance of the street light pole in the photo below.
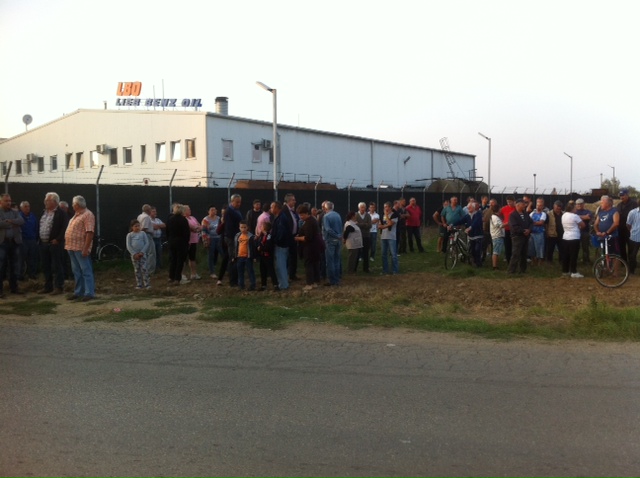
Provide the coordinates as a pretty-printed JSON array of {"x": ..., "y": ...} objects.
[
  {"x": 613, "y": 181},
  {"x": 534, "y": 184},
  {"x": 571, "y": 176},
  {"x": 489, "y": 164},
  {"x": 274, "y": 142}
]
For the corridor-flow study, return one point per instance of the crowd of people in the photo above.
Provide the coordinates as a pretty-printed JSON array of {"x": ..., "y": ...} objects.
[
  {"x": 273, "y": 237},
  {"x": 528, "y": 232}
]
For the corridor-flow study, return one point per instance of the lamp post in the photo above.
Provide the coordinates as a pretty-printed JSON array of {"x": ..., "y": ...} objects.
[
  {"x": 570, "y": 176},
  {"x": 489, "y": 164},
  {"x": 274, "y": 142},
  {"x": 534, "y": 184},
  {"x": 613, "y": 181}
]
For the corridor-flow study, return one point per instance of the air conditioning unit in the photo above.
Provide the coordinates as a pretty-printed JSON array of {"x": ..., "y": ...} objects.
[
  {"x": 101, "y": 148},
  {"x": 266, "y": 143},
  {"x": 31, "y": 157}
]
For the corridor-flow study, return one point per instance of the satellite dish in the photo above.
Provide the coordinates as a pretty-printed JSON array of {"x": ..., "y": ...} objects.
[{"x": 27, "y": 119}]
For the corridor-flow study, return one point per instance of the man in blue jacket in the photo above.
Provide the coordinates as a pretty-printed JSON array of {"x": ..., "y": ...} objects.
[
  {"x": 282, "y": 237},
  {"x": 332, "y": 235}
]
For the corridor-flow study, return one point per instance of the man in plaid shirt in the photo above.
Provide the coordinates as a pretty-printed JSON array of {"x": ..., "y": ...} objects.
[{"x": 78, "y": 242}]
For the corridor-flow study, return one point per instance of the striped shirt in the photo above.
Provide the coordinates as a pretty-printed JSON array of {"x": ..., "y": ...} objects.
[
  {"x": 633, "y": 220},
  {"x": 79, "y": 225}
]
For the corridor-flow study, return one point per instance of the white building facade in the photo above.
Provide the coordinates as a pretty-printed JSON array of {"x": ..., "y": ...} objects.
[{"x": 192, "y": 148}]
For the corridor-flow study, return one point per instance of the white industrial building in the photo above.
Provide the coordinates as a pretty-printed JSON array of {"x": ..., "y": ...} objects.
[{"x": 193, "y": 148}]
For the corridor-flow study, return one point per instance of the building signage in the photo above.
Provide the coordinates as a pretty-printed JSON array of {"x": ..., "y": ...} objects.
[{"x": 129, "y": 92}]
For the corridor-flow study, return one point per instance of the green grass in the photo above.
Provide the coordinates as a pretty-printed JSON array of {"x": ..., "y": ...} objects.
[
  {"x": 601, "y": 321},
  {"x": 28, "y": 307}
]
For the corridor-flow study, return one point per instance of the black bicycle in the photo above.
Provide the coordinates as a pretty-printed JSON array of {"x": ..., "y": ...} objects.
[
  {"x": 610, "y": 270},
  {"x": 458, "y": 248}
]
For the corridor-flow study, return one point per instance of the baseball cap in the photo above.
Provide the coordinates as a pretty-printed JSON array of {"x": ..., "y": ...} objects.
[
  {"x": 624, "y": 192},
  {"x": 579, "y": 201}
]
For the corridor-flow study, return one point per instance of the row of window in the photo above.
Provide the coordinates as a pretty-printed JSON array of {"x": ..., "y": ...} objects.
[{"x": 77, "y": 160}]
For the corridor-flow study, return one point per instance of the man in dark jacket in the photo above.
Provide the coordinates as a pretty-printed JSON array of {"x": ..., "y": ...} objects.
[
  {"x": 282, "y": 238},
  {"x": 53, "y": 224},
  {"x": 625, "y": 206},
  {"x": 520, "y": 224},
  {"x": 232, "y": 218}
]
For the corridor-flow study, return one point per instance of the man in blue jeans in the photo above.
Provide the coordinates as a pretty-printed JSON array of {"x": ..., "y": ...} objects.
[
  {"x": 332, "y": 235},
  {"x": 388, "y": 226}
]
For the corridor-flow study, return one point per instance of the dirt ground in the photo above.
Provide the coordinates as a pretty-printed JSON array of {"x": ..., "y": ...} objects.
[{"x": 497, "y": 299}]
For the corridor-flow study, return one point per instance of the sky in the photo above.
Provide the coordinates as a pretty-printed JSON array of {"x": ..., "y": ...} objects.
[{"x": 541, "y": 78}]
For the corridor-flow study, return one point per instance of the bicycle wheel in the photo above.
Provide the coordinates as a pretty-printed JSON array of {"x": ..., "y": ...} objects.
[
  {"x": 611, "y": 271},
  {"x": 110, "y": 252},
  {"x": 451, "y": 257}
]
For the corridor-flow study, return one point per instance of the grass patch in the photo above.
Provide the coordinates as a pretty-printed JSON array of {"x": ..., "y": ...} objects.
[
  {"x": 32, "y": 306},
  {"x": 601, "y": 321}
]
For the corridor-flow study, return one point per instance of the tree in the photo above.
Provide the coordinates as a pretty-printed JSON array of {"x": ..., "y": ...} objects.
[{"x": 613, "y": 185}]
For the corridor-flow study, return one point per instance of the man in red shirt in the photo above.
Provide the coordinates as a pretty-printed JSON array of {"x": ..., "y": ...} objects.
[
  {"x": 413, "y": 224},
  {"x": 505, "y": 212}
]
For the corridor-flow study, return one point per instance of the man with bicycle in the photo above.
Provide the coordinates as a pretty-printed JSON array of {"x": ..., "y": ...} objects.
[
  {"x": 450, "y": 215},
  {"x": 607, "y": 223}
]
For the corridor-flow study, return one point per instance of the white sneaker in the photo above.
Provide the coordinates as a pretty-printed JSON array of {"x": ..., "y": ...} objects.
[
  {"x": 576, "y": 275},
  {"x": 213, "y": 276},
  {"x": 307, "y": 288},
  {"x": 184, "y": 281},
  {"x": 184, "y": 277},
  {"x": 195, "y": 277}
]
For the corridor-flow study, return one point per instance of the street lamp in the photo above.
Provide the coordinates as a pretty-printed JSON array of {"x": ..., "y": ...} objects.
[
  {"x": 274, "y": 142},
  {"x": 571, "y": 176},
  {"x": 489, "y": 164},
  {"x": 534, "y": 184},
  {"x": 380, "y": 186},
  {"x": 613, "y": 181}
]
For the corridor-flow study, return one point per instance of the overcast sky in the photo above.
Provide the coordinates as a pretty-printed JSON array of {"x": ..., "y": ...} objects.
[{"x": 540, "y": 78}]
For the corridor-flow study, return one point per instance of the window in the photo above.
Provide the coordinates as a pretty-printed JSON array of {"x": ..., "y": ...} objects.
[
  {"x": 256, "y": 153},
  {"x": 19, "y": 166},
  {"x": 191, "y": 148},
  {"x": 41, "y": 164},
  {"x": 113, "y": 157},
  {"x": 143, "y": 153},
  {"x": 67, "y": 161},
  {"x": 54, "y": 162},
  {"x": 227, "y": 150},
  {"x": 128, "y": 155},
  {"x": 95, "y": 159},
  {"x": 29, "y": 166},
  {"x": 79, "y": 160},
  {"x": 161, "y": 152},
  {"x": 3, "y": 166},
  {"x": 175, "y": 150}
]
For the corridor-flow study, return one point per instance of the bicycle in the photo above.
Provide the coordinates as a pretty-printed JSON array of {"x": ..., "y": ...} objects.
[
  {"x": 458, "y": 249},
  {"x": 610, "y": 270},
  {"x": 108, "y": 251}
]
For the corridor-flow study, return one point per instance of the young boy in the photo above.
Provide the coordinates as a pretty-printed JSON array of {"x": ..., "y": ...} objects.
[
  {"x": 265, "y": 252},
  {"x": 243, "y": 255},
  {"x": 137, "y": 245}
]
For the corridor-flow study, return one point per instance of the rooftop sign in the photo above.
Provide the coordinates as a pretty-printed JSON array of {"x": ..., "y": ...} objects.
[{"x": 129, "y": 95}]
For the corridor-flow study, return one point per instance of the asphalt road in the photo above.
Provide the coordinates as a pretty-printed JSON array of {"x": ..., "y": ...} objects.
[{"x": 101, "y": 402}]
